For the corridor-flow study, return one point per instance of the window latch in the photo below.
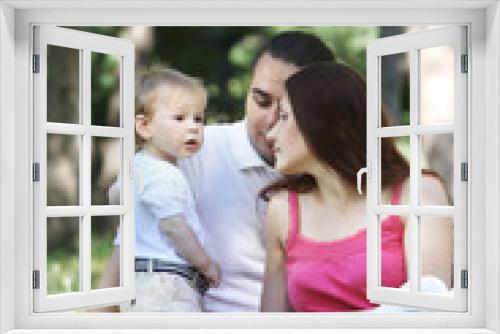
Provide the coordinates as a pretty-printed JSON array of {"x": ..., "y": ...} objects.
[
  {"x": 131, "y": 169},
  {"x": 364, "y": 170}
]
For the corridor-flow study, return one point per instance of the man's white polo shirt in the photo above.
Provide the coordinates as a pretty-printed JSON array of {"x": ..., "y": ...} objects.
[{"x": 226, "y": 177}]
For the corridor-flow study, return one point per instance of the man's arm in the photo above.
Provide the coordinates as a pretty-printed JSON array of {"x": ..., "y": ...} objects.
[
  {"x": 111, "y": 275},
  {"x": 111, "y": 279}
]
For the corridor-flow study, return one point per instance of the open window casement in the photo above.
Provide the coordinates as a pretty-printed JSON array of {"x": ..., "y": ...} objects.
[
  {"x": 431, "y": 67},
  {"x": 69, "y": 136}
]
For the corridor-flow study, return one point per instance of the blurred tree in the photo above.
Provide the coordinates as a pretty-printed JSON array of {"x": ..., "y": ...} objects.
[
  {"x": 394, "y": 82},
  {"x": 222, "y": 56},
  {"x": 205, "y": 52}
]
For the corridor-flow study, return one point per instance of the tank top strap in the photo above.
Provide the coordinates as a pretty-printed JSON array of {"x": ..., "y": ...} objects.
[
  {"x": 396, "y": 194},
  {"x": 293, "y": 216}
]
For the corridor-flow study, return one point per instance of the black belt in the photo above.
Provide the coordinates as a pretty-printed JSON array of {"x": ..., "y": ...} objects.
[{"x": 190, "y": 273}]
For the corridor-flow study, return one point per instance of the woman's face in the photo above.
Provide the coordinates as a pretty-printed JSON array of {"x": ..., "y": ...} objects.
[{"x": 291, "y": 153}]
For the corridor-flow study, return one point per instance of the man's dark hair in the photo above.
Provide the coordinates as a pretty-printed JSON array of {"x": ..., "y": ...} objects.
[{"x": 297, "y": 48}]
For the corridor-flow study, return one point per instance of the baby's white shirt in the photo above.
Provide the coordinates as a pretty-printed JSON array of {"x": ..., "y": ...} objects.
[{"x": 161, "y": 191}]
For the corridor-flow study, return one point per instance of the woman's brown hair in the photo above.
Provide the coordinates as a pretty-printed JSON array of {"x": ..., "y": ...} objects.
[{"x": 329, "y": 105}]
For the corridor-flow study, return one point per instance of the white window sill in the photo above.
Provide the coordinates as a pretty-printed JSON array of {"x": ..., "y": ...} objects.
[{"x": 254, "y": 331}]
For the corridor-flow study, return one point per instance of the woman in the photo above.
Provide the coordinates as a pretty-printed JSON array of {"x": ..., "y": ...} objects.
[{"x": 315, "y": 228}]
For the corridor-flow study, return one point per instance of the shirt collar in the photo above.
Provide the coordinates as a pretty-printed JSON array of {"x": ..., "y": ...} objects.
[{"x": 244, "y": 153}]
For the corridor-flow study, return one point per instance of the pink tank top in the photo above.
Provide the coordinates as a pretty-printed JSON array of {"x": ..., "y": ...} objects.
[{"x": 330, "y": 276}]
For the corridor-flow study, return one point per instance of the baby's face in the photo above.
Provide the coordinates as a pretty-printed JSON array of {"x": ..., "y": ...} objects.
[{"x": 177, "y": 126}]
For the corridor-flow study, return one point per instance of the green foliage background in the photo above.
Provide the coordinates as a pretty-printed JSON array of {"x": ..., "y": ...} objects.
[{"x": 222, "y": 58}]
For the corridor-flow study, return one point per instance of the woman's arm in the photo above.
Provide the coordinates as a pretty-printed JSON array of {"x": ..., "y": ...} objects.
[
  {"x": 436, "y": 243},
  {"x": 436, "y": 232},
  {"x": 274, "y": 294}
]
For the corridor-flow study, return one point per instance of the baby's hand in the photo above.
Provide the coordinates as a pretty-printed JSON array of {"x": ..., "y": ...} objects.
[{"x": 213, "y": 274}]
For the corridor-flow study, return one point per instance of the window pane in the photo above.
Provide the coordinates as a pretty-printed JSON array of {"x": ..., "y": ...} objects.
[
  {"x": 395, "y": 77},
  {"x": 63, "y": 255},
  {"x": 436, "y": 254},
  {"x": 392, "y": 251},
  {"x": 106, "y": 166},
  {"x": 394, "y": 167},
  {"x": 63, "y": 84},
  {"x": 103, "y": 233},
  {"x": 436, "y": 160},
  {"x": 436, "y": 85},
  {"x": 105, "y": 86},
  {"x": 63, "y": 164}
]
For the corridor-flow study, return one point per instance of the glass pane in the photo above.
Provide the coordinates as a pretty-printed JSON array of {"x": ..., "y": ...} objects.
[
  {"x": 106, "y": 166},
  {"x": 103, "y": 233},
  {"x": 105, "y": 86},
  {"x": 394, "y": 167},
  {"x": 395, "y": 80},
  {"x": 436, "y": 160},
  {"x": 63, "y": 264},
  {"x": 436, "y": 254},
  {"x": 63, "y": 84},
  {"x": 392, "y": 251},
  {"x": 436, "y": 85},
  {"x": 63, "y": 171}
]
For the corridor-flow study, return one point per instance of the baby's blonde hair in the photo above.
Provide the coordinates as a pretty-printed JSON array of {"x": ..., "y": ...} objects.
[{"x": 155, "y": 82}]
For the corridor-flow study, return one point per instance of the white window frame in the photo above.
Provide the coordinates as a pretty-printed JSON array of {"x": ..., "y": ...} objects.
[
  {"x": 16, "y": 21},
  {"x": 85, "y": 43},
  {"x": 456, "y": 38}
]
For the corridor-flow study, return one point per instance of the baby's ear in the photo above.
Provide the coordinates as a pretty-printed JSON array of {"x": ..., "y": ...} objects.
[{"x": 142, "y": 126}]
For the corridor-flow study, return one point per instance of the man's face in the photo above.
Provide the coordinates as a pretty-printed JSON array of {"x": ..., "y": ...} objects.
[
  {"x": 292, "y": 156},
  {"x": 266, "y": 89}
]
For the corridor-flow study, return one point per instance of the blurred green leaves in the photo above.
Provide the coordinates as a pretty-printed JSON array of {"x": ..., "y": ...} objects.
[{"x": 222, "y": 58}]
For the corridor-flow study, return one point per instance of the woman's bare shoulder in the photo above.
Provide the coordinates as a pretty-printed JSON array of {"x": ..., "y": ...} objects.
[
  {"x": 279, "y": 200},
  {"x": 433, "y": 191},
  {"x": 277, "y": 214}
]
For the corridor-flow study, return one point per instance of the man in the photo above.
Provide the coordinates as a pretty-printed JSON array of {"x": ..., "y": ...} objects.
[{"x": 234, "y": 164}]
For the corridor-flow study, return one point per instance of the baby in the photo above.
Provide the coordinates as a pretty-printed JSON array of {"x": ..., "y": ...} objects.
[{"x": 173, "y": 270}]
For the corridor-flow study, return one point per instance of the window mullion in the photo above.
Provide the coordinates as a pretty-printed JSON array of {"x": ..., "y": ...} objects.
[
  {"x": 413, "y": 230},
  {"x": 85, "y": 233},
  {"x": 80, "y": 130},
  {"x": 437, "y": 210},
  {"x": 405, "y": 130}
]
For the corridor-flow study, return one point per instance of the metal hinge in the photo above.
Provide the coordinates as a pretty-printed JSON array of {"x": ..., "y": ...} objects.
[
  {"x": 465, "y": 64},
  {"x": 464, "y": 171},
  {"x": 36, "y": 172},
  {"x": 36, "y": 63},
  {"x": 464, "y": 279},
  {"x": 36, "y": 279}
]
